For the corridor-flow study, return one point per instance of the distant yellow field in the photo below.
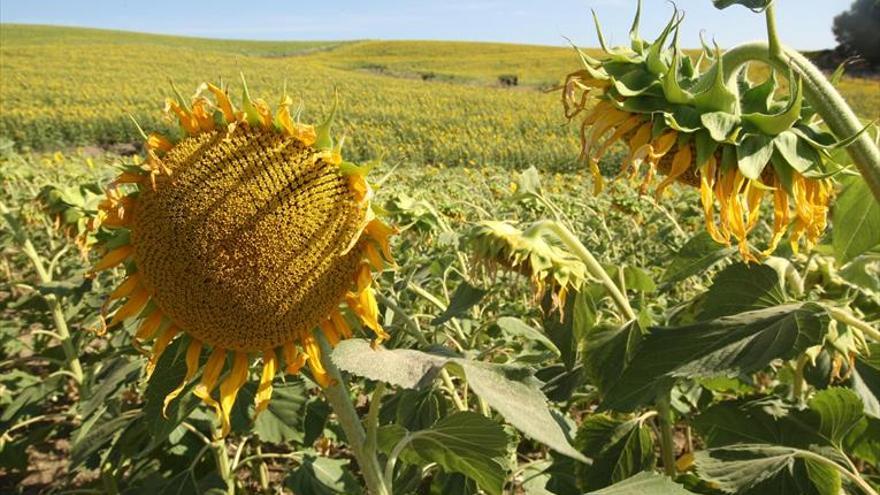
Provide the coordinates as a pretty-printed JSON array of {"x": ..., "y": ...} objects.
[{"x": 407, "y": 101}]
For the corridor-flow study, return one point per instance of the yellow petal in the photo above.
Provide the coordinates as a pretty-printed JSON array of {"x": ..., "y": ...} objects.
[
  {"x": 213, "y": 368},
  {"x": 627, "y": 125},
  {"x": 264, "y": 391},
  {"x": 136, "y": 302},
  {"x": 780, "y": 218},
  {"x": 381, "y": 233},
  {"x": 202, "y": 114},
  {"x": 193, "y": 352},
  {"x": 313, "y": 351},
  {"x": 149, "y": 326},
  {"x": 754, "y": 195},
  {"x": 373, "y": 257},
  {"x": 187, "y": 120},
  {"x": 223, "y": 102},
  {"x": 293, "y": 359},
  {"x": 329, "y": 332},
  {"x": 114, "y": 258},
  {"x": 229, "y": 389},
  {"x": 129, "y": 178},
  {"x": 707, "y": 181},
  {"x": 160, "y": 346},
  {"x": 125, "y": 288},
  {"x": 680, "y": 164},
  {"x": 159, "y": 142},
  {"x": 341, "y": 325}
]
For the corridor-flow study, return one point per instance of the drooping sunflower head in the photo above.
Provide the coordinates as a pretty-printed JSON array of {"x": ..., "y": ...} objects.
[
  {"x": 531, "y": 253},
  {"x": 712, "y": 130},
  {"x": 243, "y": 237}
]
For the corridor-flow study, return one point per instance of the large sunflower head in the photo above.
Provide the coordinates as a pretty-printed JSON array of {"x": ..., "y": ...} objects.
[
  {"x": 244, "y": 237},
  {"x": 718, "y": 132}
]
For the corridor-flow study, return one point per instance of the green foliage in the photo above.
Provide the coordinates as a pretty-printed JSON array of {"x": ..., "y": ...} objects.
[{"x": 463, "y": 442}]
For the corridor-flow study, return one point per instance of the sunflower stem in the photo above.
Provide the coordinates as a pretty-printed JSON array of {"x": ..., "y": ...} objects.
[
  {"x": 667, "y": 442},
  {"x": 772, "y": 35},
  {"x": 222, "y": 457},
  {"x": 821, "y": 95},
  {"x": 63, "y": 332},
  {"x": 593, "y": 265},
  {"x": 340, "y": 400}
]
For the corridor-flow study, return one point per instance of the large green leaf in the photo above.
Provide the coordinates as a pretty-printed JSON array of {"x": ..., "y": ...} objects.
[
  {"x": 323, "y": 476},
  {"x": 644, "y": 483},
  {"x": 728, "y": 345},
  {"x": 839, "y": 411},
  {"x": 464, "y": 442},
  {"x": 511, "y": 391},
  {"x": 281, "y": 421},
  {"x": 742, "y": 287},
  {"x": 619, "y": 450},
  {"x": 608, "y": 350},
  {"x": 856, "y": 220},
  {"x": 761, "y": 468},
  {"x": 697, "y": 255}
]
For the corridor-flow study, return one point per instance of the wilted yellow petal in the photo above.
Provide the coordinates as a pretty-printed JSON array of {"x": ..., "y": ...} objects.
[
  {"x": 193, "y": 352},
  {"x": 229, "y": 389},
  {"x": 264, "y": 391}
]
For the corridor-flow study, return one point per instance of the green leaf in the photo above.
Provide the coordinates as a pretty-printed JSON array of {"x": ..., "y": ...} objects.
[
  {"x": 728, "y": 345},
  {"x": 866, "y": 379},
  {"x": 323, "y": 476},
  {"x": 782, "y": 121},
  {"x": 719, "y": 124},
  {"x": 608, "y": 350},
  {"x": 517, "y": 328},
  {"x": 463, "y": 299},
  {"x": 762, "y": 468},
  {"x": 759, "y": 98},
  {"x": 115, "y": 375},
  {"x": 644, "y": 483},
  {"x": 619, "y": 450},
  {"x": 856, "y": 220},
  {"x": 839, "y": 410},
  {"x": 464, "y": 442},
  {"x": 280, "y": 422},
  {"x": 753, "y": 154},
  {"x": 742, "y": 287},
  {"x": 796, "y": 152},
  {"x": 511, "y": 391},
  {"x": 755, "y": 5},
  {"x": 698, "y": 254}
]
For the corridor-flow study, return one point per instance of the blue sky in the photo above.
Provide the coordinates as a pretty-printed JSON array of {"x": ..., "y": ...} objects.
[{"x": 804, "y": 24}]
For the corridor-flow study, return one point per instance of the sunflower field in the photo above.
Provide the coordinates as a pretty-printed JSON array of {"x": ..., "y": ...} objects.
[{"x": 370, "y": 267}]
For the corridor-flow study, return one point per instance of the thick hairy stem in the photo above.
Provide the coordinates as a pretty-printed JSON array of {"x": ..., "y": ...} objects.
[
  {"x": 339, "y": 399},
  {"x": 821, "y": 95}
]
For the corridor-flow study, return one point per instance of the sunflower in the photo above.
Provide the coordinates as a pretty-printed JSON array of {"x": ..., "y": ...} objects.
[
  {"x": 730, "y": 139},
  {"x": 243, "y": 237},
  {"x": 532, "y": 253}
]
